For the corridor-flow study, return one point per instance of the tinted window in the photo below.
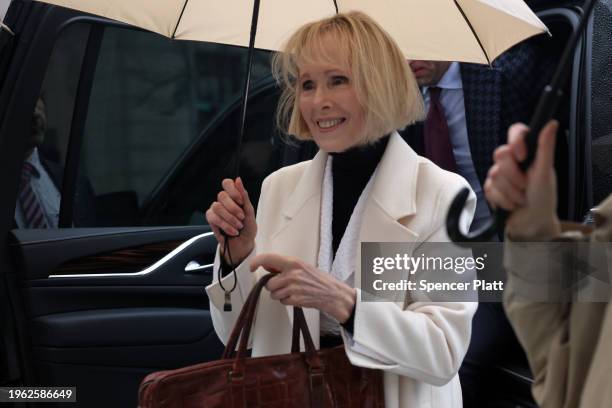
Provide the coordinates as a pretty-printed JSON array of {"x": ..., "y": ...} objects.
[
  {"x": 40, "y": 192},
  {"x": 143, "y": 124}
]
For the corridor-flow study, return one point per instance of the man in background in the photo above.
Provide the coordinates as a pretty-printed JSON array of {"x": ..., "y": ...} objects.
[{"x": 39, "y": 197}]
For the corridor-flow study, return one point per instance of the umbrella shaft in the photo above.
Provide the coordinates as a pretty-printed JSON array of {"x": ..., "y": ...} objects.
[{"x": 245, "y": 90}]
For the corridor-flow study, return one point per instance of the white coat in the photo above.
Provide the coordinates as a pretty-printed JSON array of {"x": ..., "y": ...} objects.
[{"x": 425, "y": 341}]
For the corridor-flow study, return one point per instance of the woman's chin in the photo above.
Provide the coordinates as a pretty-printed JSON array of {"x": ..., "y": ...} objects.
[{"x": 333, "y": 144}]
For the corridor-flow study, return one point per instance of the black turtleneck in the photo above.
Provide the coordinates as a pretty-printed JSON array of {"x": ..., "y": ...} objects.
[{"x": 351, "y": 171}]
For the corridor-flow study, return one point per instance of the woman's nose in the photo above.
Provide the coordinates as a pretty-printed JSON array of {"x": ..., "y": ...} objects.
[{"x": 321, "y": 98}]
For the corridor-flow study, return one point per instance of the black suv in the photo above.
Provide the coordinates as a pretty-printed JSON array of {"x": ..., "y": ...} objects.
[{"x": 141, "y": 130}]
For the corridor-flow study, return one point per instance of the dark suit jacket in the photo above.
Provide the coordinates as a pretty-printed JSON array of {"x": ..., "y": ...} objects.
[{"x": 496, "y": 97}]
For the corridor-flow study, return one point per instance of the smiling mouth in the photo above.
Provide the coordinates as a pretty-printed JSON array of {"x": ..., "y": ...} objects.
[{"x": 330, "y": 124}]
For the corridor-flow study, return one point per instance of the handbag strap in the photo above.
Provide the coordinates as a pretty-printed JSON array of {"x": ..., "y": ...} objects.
[
  {"x": 300, "y": 325},
  {"x": 246, "y": 314},
  {"x": 242, "y": 328}
]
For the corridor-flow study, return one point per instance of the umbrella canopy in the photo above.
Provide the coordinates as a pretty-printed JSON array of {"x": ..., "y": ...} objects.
[{"x": 449, "y": 30}]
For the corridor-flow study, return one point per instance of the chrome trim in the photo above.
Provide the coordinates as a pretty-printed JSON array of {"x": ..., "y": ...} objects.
[
  {"x": 145, "y": 271},
  {"x": 195, "y": 266}
]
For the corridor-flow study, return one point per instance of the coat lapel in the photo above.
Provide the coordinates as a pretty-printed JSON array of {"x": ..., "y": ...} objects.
[
  {"x": 298, "y": 233},
  {"x": 393, "y": 199}
]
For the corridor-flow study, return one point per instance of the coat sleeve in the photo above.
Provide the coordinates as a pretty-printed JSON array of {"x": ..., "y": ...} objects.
[
  {"x": 223, "y": 321},
  {"x": 537, "y": 302},
  {"x": 423, "y": 340}
]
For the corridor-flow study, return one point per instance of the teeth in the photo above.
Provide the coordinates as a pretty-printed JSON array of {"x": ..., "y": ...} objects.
[{"x": 325, "y": 124}]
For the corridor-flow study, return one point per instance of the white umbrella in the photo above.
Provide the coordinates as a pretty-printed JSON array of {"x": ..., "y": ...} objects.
[{"x": 450, "y": 30}]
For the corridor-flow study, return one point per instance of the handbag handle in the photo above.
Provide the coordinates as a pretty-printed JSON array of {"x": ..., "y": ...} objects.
[{"x": 242, "y": 331}]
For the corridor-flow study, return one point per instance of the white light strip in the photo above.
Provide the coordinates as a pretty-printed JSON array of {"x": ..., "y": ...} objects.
[
  {"x": 144, "y": 272},
  {"x": 195, "y": 266}
]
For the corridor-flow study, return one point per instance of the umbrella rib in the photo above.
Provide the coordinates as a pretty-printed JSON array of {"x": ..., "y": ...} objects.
[
  {"x": 179, "y": 19},
  {"x": 473, "y": 31}
]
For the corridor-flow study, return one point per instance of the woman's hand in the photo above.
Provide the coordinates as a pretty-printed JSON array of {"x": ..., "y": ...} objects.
[
  {"x": 233, "y": 214},
  {"x": 531, "y": 196},
  {"x": 300, "y": 284}
]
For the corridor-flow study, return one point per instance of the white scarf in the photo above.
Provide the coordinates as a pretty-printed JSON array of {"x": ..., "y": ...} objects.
[{"x": 342, "y": 267}]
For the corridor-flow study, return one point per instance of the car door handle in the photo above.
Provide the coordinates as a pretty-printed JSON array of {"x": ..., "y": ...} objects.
[{"x": 195, "y": 267}]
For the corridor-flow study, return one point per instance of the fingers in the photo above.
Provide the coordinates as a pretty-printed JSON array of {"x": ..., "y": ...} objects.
[
  {"x": 216, "y": 221},
  {"x": 279, "y": 286},
  {"x": 516, "y": 141},
  {"x": 545, "y": 156},
  {"x": 280, "y": 290},
  {"x": 506, "y": 183},
  {"x": 218, "y": 235},
  {"x": 226, "y": 214},
  {"x": 273, "y": 263},
  {"x": 507, "y": 168},
  {"x": 229, "y": 186},
  {"x": 502, "y": 194},
  {"x": 231, "y": 199},
  {"x": 247, "y": 206},
  {"x": 284, "y": 288}
]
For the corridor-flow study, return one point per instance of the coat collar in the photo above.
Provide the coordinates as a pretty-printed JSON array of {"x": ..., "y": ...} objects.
[
  {"x": 308, "y": 186},
  {"x": 395, "y": 184},
  {"x": 394, "y": 188}
]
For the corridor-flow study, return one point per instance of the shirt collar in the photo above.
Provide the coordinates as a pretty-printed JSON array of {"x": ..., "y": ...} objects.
[
  {"x": 451, "y": 78},
  {"x": 34, "y": 160}
]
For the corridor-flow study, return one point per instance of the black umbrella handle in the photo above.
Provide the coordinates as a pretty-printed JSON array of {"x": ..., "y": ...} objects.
[
  {"x": 454, "y": 216},
  {"x": 546, "y": 108}
]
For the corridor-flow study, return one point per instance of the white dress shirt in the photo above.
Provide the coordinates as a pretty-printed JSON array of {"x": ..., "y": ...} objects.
[
  {"x": 451, "y": 98},
  {"x": 47, "y": 194}
]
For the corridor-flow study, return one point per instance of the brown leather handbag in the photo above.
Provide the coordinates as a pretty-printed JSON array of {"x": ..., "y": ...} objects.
[{"x": 312, "y": 378}]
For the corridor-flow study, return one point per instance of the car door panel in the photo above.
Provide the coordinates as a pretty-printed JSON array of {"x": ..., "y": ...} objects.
[
  {"x": 111, "y": 253},
  {"x": 125, "y": 306}
]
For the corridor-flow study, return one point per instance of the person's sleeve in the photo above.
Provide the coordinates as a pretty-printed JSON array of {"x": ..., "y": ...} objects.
[
  {"x": 426, "y": 341},
  {"x": 537, "y": 302},
  {"x": 349, "y": 325},
  {"x": 224, "y": 321}
]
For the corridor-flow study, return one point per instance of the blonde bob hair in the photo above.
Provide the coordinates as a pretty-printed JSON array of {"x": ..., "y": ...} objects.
[{"x": 385, "y": 86}]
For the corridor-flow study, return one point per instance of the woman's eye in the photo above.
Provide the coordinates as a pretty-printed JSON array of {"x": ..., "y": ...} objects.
[
  {"x": 339, "y": 80},
  {"x": 307, "y": 85}
]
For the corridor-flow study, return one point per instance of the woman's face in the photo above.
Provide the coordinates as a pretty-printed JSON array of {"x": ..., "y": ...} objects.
[{"x": 328, "y": 104}]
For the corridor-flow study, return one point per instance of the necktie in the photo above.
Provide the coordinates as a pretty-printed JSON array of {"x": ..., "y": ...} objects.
[
  {"x": 438, "y": 147},
  {"x": 30, "y": 205}
]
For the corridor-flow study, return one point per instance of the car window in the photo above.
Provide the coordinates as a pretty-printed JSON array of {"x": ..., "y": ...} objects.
[
  {"x": 40, "y": 190},
  {"x": 194, "y": 183},
  {"x": 150, "y": 98}
]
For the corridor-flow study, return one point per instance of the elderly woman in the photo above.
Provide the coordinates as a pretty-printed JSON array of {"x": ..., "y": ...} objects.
[{"x": 346, "y": 86}]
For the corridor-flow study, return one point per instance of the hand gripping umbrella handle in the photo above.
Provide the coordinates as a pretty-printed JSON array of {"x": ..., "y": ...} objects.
[{"x": 547, "y": 106}]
